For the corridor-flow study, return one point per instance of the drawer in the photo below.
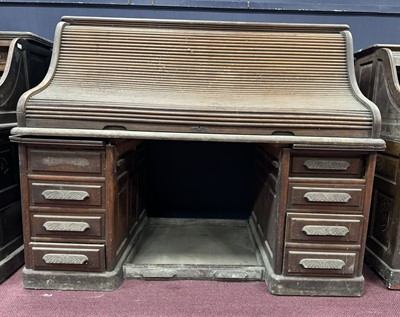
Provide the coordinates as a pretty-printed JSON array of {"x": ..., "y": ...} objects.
[
  {"x": 67, "y": 227},
  {"x": 65, "y": 161},
  {"x": 323, "y": 229},
  {"x": 57, "y": 194},
  {"x": 67, "y": 257},
  {"x": 325, "y": 198},
  {"x": 310, "y": 263},
  {"x": 327, "y": 166}
]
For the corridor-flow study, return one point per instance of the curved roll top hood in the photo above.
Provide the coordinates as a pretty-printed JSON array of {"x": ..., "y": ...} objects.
[
  {"x": 378, "y": 73},
  {"x": 218, "y": 78},
  {"x": 24, "y": 60}
]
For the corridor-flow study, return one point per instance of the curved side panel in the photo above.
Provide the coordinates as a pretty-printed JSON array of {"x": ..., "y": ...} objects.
[
  {"x": 21, "y": 106},
  {"x": 376, "y": 115}
]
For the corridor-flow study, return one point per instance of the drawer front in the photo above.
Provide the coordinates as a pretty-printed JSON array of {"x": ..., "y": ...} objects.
[
  {"x": 67, "y": 227},
  {"x": 65, "y": 161},
  {"x": 320, "y": 263},
  {"x": 323, "y": 166},
  {"x": 66, "y": 194},
  {"x": 325, "y": 229},
  {"x": 64, "y": 257},
  {"x": 326, "y": 197}
]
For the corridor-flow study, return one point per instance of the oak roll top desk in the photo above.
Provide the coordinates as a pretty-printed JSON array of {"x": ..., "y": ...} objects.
[
  {"x": 24, "y": 60},
  {"x": 116, "y": 85},
  {"x": 377, "y": 71}
]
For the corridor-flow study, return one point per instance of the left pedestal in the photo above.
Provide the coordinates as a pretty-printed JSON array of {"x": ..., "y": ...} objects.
[{"x": 80, "y": 208}]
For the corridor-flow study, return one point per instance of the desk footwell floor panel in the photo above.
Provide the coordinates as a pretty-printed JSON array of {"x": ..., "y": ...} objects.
[{"x": 195, "y": 249}]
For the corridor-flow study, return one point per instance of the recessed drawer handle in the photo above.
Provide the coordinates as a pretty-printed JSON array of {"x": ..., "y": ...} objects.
[
  {"x": 54, "y": 258},
  {"x": 66, "y": 226},
  {"x": 323, "y": 264},
  {"x": 326, "y": 165},
  {"x": 327, "y": 197},
  {"x": 54, "y": 194},
  {"x": 337, "y": 231}
]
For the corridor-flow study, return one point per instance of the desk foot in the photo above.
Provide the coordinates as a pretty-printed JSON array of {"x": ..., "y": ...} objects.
[
  {"x": 389, "y": 275},
  {"x": 11, "y": 263}
]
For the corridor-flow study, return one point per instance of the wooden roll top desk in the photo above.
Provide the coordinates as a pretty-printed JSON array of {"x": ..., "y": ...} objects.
[
  {"x": 115, "y": 86},
  {"x": 24, "y": 60},
  {"x": 377, "y": 71}
]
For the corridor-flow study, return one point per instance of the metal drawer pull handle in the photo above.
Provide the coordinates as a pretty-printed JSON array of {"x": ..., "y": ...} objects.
[
  {"x": 121, "y": 162},
  {"x": 326, "y": 165},
  {"x": 327, "y": 197},
  {"x": 323, "y": 264},
  {"x": 53, "y": 258},
  {"x": 66, "y": 226},
  {"x": 337, "y": 231},
  {"x": 56, "y": 161},
  {"x": 54, "y": 194}
]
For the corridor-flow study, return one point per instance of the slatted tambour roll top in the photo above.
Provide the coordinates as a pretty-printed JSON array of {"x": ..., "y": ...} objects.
[
  {"x": 378, "y": 71},
  {"x": 24, "y": 60},
  {"x": 201, "y": 77}
]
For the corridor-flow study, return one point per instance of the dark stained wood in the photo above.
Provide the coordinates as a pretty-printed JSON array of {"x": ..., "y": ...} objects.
[
  {"x": 97, "y": 212},
  {"x": 320, "y": 263},
  {"x": 284, "y": 168},
  {"x": 377, "y": 71},
  {"x": 323, "y": 228},
  {"x": 24, "y": 60},
  {"x": 68, "y": 227},
  {"x": 288, "y": 88},
  {"x": 67, "y": 257},
  {"x": 65, "y": 194},
  {"x": 325, "y": 197},
  {"x": 66, "y": 162},
  {"x": 327, "y": 166}
]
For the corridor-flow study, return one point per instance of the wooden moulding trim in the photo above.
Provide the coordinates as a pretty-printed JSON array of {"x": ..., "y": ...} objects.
[
  {"x": 171, "y": 23},
  {"x": 373, "y": 48},
  {"x": 8, "y": 125},
  {"x": 351, "y": 143}
]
